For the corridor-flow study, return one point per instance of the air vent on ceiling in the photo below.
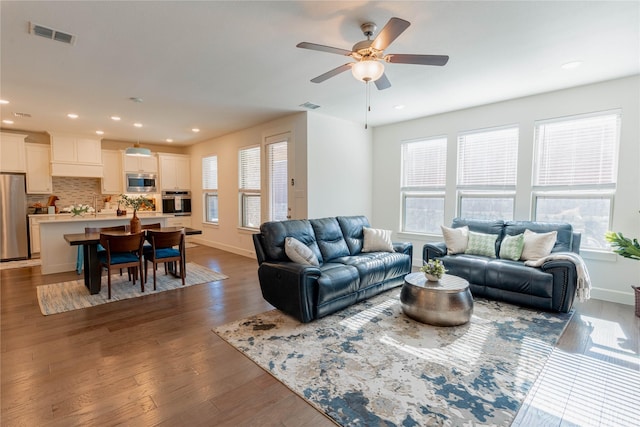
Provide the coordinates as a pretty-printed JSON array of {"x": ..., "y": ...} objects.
[
  {"x": 310, "y": 105},
  {"x": 51, "y": 34},
  {"x": 22, "y": 115}
]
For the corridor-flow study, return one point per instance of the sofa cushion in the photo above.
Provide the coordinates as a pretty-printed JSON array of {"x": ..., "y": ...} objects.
[
  {"x": 456, "y": 239},
  {"x": 564, "y": 239},
  {"x": 352, "y": 232},
  {"x": 376, "y": 240},
  {"x": 481, "y": 244},
  {"x": 537, "y": 245},
  {"x": 483, "y": 226},
  {"x": 514, "y": 277},
  {"x": 375, "y": 267},
  {"x": 337, "y": 281},
  {"x": 274, "y": 234},
  {"x": 299, "y": 252},
  {"x": 329, "y": 238},
  {"x": 511, "y": 247},
  {"x": 470, "y": 267}
]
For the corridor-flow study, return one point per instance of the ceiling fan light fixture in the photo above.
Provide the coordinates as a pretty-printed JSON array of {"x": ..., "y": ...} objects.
[{"x": 367, "y": 70}]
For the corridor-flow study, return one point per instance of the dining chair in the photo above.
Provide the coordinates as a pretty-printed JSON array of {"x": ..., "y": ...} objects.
[
  {"x": 87, "y": 230},
  {"x": 163, "y": 250},
  {"x": 122, "y": 251}
]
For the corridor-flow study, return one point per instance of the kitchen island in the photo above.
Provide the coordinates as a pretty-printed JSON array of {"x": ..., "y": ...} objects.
[{"x": 55, "y": 253}]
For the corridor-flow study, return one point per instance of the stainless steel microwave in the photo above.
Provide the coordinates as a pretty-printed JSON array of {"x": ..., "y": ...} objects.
[{"x": 141, "y": 183}]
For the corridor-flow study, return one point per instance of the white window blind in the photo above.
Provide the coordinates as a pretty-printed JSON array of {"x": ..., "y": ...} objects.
[
  {"x": 277, "y": 164},
  {"x": 488, "y": 159},
  {"x": 250, "y": 168},
  {"x": 210, "y": 173},
  {"x": 424, "y": 163},
  {"x": 579, "y": 150}
]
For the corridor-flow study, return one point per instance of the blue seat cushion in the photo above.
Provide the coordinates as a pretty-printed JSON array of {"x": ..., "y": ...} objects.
[
  {"x": 162, "y": 253},
  {"x": 118, "y": 257}
]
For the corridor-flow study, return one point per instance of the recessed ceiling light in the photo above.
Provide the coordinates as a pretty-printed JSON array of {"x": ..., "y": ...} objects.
[
  {"x": 138, "y": 125},
  {"x": 3, "y": 101},
  {"x": 196, "y": 130},
  {"x": 571, "y": 65},
  {"x": 7, "y": 122},
  {"x": 398, "y": 107},
  {"x": 72, "y": 116},
  {"x": 115, "y": 118},
  {"x": 99, "y": 132},
  {"x": 169, "y": 140}
]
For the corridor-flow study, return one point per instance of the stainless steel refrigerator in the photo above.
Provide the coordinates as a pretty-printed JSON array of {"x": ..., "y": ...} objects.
[{"x": 13, "y": 217}]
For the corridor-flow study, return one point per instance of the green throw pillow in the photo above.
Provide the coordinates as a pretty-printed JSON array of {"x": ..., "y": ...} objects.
[
  {"x": 481, "y": 244},
  {"x": 511, "y": 247}
]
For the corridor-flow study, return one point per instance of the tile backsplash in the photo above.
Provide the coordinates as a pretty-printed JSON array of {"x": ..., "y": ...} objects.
[{"x": 71, "y": 191}]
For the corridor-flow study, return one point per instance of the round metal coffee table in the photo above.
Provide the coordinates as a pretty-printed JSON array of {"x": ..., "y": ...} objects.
[{"x": 447, "y": 302}]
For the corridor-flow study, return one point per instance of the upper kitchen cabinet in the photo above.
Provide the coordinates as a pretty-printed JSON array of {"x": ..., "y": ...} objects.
[
  {"x": 175, "y": 172},
  {"x": 74, "y": 155},
  {"x": 12, "y": 156},
  {"x": 111, "y": 172},
  {"x": 38, "y": 175},
  {"x": 141, "y": 164}
]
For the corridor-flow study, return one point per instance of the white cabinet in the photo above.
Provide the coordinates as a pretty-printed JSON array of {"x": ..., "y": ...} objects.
[
  {"x": 12, "y": 156},
  {"x": 140, "y": 164},
  {"x": 73, "y": 155},
  {"x": 38, "y": 174},
  {"x": 34, "y": 231},
  {"x": 111, "y": 172},
  {"x": 179, "y": 221},
  {"x": 175, "y": 172}
]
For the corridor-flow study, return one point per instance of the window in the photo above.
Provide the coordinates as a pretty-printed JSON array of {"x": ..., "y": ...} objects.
[
  {"x": 575, "y": 170},
  {"x": 278, "y": 177},
  {"x": 423, "y": 184},
  {"x": 249, "y": 187},
  {"x": 210, "y": 188},
  {"x": 487, "y": 161}
]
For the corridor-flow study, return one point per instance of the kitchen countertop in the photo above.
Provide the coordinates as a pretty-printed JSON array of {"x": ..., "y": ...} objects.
[{"x": 67, "y": 217}]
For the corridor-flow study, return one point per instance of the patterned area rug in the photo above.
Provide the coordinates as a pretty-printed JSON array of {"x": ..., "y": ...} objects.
[
  {"x": 371, "y": 365},
  {"x": 8, "y": 265},
  {"x": 67, "y": 296}
]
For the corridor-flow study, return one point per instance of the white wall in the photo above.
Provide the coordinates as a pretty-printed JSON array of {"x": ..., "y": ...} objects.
[
  {"x": 339, "y": 167},
  {"x": 611, "y": 275},
  {"x": 227, "y": 235}
]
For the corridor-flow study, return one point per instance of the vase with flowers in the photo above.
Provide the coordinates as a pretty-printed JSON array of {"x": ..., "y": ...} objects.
[
  {"x": 135, "y": 203},
  {"x": 433, "y": 270}
]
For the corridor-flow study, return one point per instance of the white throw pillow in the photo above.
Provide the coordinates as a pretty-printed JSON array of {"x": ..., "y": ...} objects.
[
  {"x": 377, "y": 240},
  {"x": 537, "y": 245},
  {"x": 299, "y": 252},
  {"x": 456, "y": 239}
]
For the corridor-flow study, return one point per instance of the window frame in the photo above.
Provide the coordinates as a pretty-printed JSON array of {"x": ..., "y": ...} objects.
[
  {"x": 244, "y": 194},
  {"x": 208, "y": 193}
]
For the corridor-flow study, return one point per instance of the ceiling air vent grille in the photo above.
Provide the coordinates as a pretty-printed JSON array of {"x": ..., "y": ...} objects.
[
  {"x": 310, "y": 105},
  {"x": 21, "y": 115},
  {"x": 51, "y": 34}
]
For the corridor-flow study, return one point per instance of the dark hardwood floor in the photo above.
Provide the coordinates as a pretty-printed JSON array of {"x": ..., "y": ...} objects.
[{"x": 155, "y": 361}]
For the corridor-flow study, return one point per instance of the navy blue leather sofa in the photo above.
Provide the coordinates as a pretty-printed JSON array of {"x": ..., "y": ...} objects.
[
  {"x": 551, "y": 287},
  {"x": 345, "y": 275}
]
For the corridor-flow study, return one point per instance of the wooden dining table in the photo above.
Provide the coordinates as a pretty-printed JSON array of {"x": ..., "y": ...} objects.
[{"x": 89, "y": 243}]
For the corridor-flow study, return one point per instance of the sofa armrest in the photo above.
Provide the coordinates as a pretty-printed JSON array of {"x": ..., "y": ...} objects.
[
  {"x": 565, "y": 282},
  {"x": 433, "y": 250},
  {"x": 404, "y": 248},
  {"x": 290, "y": 287}
]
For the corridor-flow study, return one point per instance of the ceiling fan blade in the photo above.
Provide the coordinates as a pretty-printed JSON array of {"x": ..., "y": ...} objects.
[
  {"x": 389, "y": 33},
  {"x": 383, "y": 82},
  {"x": 417, "y": 59},
  {"x": 334, "y": 72},
  {"x": 323, "y": 48}
]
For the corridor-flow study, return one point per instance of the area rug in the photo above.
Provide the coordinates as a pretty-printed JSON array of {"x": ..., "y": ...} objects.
[
  {"x": 372, "y": 365},
  {"x": 73, "y": 295},
  {"x": 8, "y": 265}
]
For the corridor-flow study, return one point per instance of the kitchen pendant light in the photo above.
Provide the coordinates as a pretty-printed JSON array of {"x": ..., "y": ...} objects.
[{"x": 136, "y": 150}]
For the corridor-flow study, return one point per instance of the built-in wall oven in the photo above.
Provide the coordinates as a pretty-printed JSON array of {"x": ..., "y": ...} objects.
[
  {"x": 141, "y": 183},
  {"x": 177, "y": 202}
]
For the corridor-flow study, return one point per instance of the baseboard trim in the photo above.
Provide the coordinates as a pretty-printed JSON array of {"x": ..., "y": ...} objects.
[
  {"x": 227, "y": 248},
  {"x": 627, "y": 298}
]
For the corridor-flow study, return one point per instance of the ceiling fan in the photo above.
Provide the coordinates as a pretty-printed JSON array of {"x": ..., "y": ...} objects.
[{"x": 369, "y": 54}]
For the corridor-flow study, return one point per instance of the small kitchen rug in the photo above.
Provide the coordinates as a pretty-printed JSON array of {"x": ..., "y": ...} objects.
[
  {"x": 8, "y": 265},
  {"x": 73, "y": 295},
  {"x": 370, "y": 365}
]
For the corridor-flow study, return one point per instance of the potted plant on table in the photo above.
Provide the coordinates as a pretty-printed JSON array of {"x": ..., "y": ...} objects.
[
  {"x": 135, "y": 203},
  {"x": 628, "y": 248},
  {"x": 433, "y": 270}
]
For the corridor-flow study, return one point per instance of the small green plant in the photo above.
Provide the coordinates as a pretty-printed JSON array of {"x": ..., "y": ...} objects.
[
  {"x": 434, "y": 267},
  {"x": 623, "y": 246},
  {"x": 135, "y": 202}
]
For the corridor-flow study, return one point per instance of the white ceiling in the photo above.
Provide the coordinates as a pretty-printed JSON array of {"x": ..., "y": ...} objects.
[{"x": 223, "y": 66}]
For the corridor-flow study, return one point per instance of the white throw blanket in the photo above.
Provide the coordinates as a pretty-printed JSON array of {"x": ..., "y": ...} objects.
[{"x": 583, "y": 290}]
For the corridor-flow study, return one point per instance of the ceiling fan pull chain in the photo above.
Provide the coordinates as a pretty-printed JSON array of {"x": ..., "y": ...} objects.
[{"x": 367, "y": 105}]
